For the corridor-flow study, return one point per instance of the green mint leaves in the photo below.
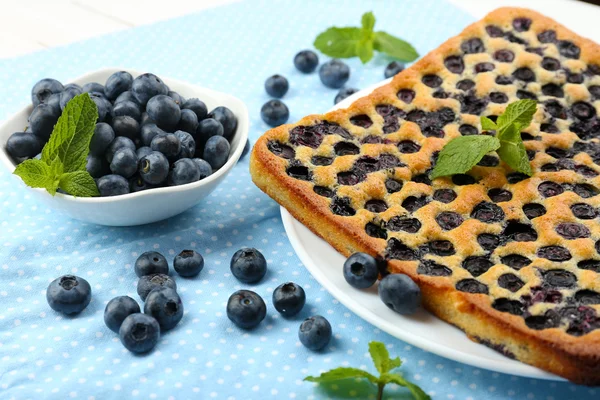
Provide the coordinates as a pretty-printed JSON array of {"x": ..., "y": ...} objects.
[
  {"x": 463, "y": 153},
  {"x": 63, "y": 160},
  {"x": 361, "y": 42},
  {"x": 383, "y": 363}
]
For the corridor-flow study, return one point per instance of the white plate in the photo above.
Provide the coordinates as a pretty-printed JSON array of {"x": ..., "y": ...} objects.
[{"x": 423, "y": 329}]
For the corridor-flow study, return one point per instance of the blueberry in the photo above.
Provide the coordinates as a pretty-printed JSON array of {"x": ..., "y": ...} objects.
[
  {"x": 163, "y": 111},
  {"x": 184, "y": 171},
  {"x": 149, "y": 131},
  {"x": 306, "y": 61},
  {"x": 400, "y": 293},
  {"x": 117, "y": 143},
  {"x": 360, "y": 270},
  {"x": 204, "y": 167},
  {"x": 112, "y": 185},
  {"x": 139, "y": 333},
  {"x": 93, "y": 87},
  {"x": 315, "y": 333},
  {"x": 117, "y": 83},
  {"x": 68, "y": 94},
  {"x": 246, "y": 309},
  {"x": 248, "y": 265},
  {"x": 23, "y": 144},
  {"x": 207, "y": 128},
  {"x": 164, "y": 304},
  {"x": 288, "y": 299},
  {"x": 216, "y": 151},
  {"x": 124, "y": 162},
  {"x": 154, "y": 168},
  {"x": 42, "y": 121},
  {"x": 188, "y": 263},
  {"x": 227, "y": 118},
  {"x": 147, "y": 283},
  {"x": 72, "y": 85},
  {"x": 137, "y": 184},
  {"x": 128, "y": 108},
  {"x": 151, "y": 262},
  {"x": 103, "y": 136},
  {"x": 126, "y": 126},
  {"x": 54, "y": 102},
  {"x": 274, "y": 113},
  {"x": 343, "y": 93},
  {"x": 44, "y": 89},
  {"x": 117, "y": 310},
  {"x": 277, "y": 86},
  {"x": 102, "y": 104},
  {"x": 188, "y": 121},
  {"x": 143, "y": 152},
  {"x": 188, "y": 145},
  {"x": 392, "y": 69},
  {"x": 334, "y": 73},
  {"x": 69, "y": 294},
  {"x": 168, "y": 144},
  {"x": 97, "y": 166},
  {"x": 146, "y": 86},
  {"x": 246, "y": 150},
  {"x": 177, "y": 98},
  {"x": 146, "y": 119},
  {"x": 197, "y": 106},
  {"x": 126, "y": 96}
]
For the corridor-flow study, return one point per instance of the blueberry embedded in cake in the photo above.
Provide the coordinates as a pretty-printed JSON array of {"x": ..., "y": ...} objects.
[{"x": 512, "y": 260}]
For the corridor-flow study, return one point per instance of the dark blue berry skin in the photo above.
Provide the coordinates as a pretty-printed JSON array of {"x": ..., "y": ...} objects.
[
  {"x": 44, "y": 89},
  {"x": 154, "y": 168},
  {"x": 147, "y": 283},
  {"x": 274, "y": 113},
  {"x": 207, "y": 128},
  {"x": 246, "y": 150},
  {"x": 315, "y": 333},
  {"x": 277, "y": 86},
  {"x": 137, "y": 184},
  {"x": 117, "y": 310},
  {"x": 216, "y": 151},
  {"x": 184, "y": 171},
  {"x": 117, "y": 143},
  {"x": 248, "y": 265},
  {"x": 149, "y": 131},
  {"x": 126, "y": 96},
  {"x": 204, "y": 167},
  {"x": 188, "y": 145},
  {"x": 164, "y": 304},
  {"x": 103, "y": 136},
  {"x": 400, "y": 293},
  {"x": 143, "y": 152},
  {"x": 188, "y": 121},
  {"x": 246, "y": 309},
  {"x": 164, "y": 112},
  {"x": 306, "y": 61},
  {"x": 126, "y": 126},
  {"x": 112, "y": 185},
  {"x": 197, "y": 106},
  {"x": 146, "y": 119},
  {"x": 288, "y": 299},
  {"x": 93, "y": 87},
  {"x": 151, "y": 262},
  {"x": 74, "y": 85},
  {"x": 343, "y": 93},
  {"x": 69, "y": 294},
  {"x": 124, "y": 162},
  {"x": 67, "y": 94},
  {"x": 23, "y": 144},
  {"x": 188, "y": 263},
  {"x": 227, "y": 118},
  {"x": 97, "y": 166},
  {"x": 146, "y": 86},
  {"x": 103, "y": 104},
  {"x": 177, "y": 98},
  {"x": 360, "y": 270},
  {"x": 167, "y": 144},
  {"x": 334, "y": 73},
  {"x": 128, "y": 108},
  {"x": 117, "y": 83},
  {"x": 54, "y": 101},
  {"x": 139, "y": 333},
  {"x": 392, "y": 69},
  {"x": 42, "y": 121}
]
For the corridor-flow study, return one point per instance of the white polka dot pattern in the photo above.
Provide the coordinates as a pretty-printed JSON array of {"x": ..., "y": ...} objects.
[{"x": 232, "y": 49}]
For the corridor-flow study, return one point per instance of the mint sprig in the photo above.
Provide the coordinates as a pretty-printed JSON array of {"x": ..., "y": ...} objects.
[
  {"x": 461, "y": 154},
  {"x": 383, "y": 363},
  {"x": 63, "y": 160},
  {"x": 361, "y": 42}
]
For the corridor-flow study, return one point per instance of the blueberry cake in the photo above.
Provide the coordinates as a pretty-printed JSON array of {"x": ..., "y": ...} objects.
[{"x": 512, "y": 260}]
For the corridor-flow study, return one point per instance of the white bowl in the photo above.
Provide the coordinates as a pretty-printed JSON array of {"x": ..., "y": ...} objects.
[{"x": 149, "y": 205}]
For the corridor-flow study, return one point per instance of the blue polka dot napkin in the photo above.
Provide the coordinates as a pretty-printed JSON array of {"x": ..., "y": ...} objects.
[{"x": 232, "y": 49}]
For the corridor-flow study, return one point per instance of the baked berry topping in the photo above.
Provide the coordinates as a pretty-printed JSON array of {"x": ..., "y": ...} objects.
[
  {"x": 499, "y": 195},
  {"x": 361, "y": 120},
  {"x": 431, "y": 268},
  {"x": 504, "y": 55},
  {"x": 583, "y": 110},
  {"x": 535, "y": 50},
  {"x": 503, "y": 80},
  {"x": 498, "y": 97},
  {"x": 341, "y": 206},
  {"x": 494, "y": 31},
  {"x": 514, "y": 307},
  {"x": 391, "y": 116},
  {"x": 399, "y": 251},
  {"x": 594, "y": 92},
  {"x": 584, "y": 190},
  {"x": 511, "y": 37},
  {"x": 393, "y": 186},
  {"x": 467, "y": 130},
  {"x": 549, "y": 128},
  {"x": 521, "y": 24},
  {"x": 484, "y": 67},
  {"x": 538, "y": 322},
  {"x": 524, "y": 94},
  {"x": 323, "y": 191},
  {"x": 387, "y": 161},
  {"x": 554, "y": 253},
  {"x": 465, "y": 85},
  {"x": 583, "y": 211},
  {"x": 439, "y": 248},
  {"x": 406, "y": 95},
  {"x": 376, "y": 206},
  {"x": 444, "y": 195},
  {"x": 524, "y": 74},
  {"x": 552, "y": 89},
  {"x": 472, "y": 286},
  {"x": 412, "y": 203},
  {"x": 515, "y": 261},
  {"x": 550, "y": 189},
  {"x": 471, "y": 104},
  {"x": 557, "y": 152},
  {"x": 540, "y": 294},
  {"x": 548, "y": 36},
  {"x": 454, "y": 64},
  {"x": 463, "y": 179},
  {"x": 422, "y": 178},
  {"x": 472, "y": 46},
  {"x": 587, "y": 297},
  {"x": 571, "y": 230},
  {"x": 534, "y": 210},
  {"x": 559, "y": 278},
  {"x": 574, "y": 78},
  {"x": 516, "y": 177},
  {"x": 350, "y": 178},
  {"x": 591, "y": 265},
  {"x": 519, "y": 232},
  {"x": 568, "y": 49},
  {"x": 477, "y": 265},
  {"x": 449, "y": 220},
  {"x": 510, "y": 282},
  {"x": 366, "y": 164},
  {"x": 488, "y": 241},
  {"x": 408, "y": 147},
  {"x": 550, "y": 64},
  {"x": 431, "y": 80},
  {"x": 321, "y": 160},
  {"x": 299, "y": 172},
  {"x": 281, "y": 150},
  {"x": 345, "y": 149},
  {"x": 375, "y": 231},
  {"x": 487, "y": 212},
  {"x": 306, "y": 136},
  {"x": 397, "y": 223}
]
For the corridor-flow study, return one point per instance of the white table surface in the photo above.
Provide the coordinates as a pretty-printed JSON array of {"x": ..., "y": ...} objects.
[{"x": 31, "y": 25}]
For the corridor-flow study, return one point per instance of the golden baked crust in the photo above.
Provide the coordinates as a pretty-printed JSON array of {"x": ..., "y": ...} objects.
[{"x": 463, "y": 239}]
